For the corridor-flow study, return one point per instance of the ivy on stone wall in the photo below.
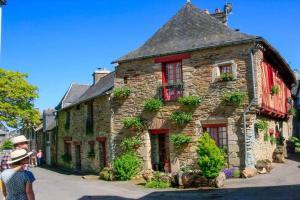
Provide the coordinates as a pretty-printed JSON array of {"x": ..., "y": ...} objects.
[
  {"x": 180, "y": 117},
  {"x": 235, "y": 98}
]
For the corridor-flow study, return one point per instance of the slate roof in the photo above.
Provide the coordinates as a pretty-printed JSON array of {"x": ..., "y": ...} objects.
[
  {"x": 189, "y": 29},
  {"x": 74, "y": 92},
  {"x": 103, "y": 86},
  {"x": 49, "y": 119}
]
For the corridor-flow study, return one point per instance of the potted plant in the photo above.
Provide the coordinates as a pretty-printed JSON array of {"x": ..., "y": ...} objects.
[
  {"x": 179, "y": 140},
  {"x": 226, "y": 76},
  {"x": 133, "y": 123},
  {"x": 181, "y": 117},
  {"x": 121, "y": 92},
  {"x": 153, "y": 105},
  {"x": 274, "y": 90},
  {"x": 131, "y": 143},
  {"x": 189, "y": 101},
  {"x": 236, "y": 98}
]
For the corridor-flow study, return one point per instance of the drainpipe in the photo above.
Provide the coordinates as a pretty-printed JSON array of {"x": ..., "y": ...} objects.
[{"x": 249, "y": 106}]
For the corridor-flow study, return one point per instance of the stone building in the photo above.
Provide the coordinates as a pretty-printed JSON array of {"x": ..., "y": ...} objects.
[
  {"x": 189, "y": 56},
  {"x": 84, "y": 125}
]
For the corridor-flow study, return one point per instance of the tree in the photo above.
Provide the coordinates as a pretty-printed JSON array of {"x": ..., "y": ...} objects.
[
  {"x": 7, "y": 145},
  {"x": 17, "y": 100}
]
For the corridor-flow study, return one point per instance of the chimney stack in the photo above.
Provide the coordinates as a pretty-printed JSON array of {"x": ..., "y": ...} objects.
[{"x": 99, "y": 73}]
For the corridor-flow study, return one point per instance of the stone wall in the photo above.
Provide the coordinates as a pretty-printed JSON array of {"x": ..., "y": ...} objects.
[
  {"x": 77, "y": 130},
  {"x": 145, "y": 76}
]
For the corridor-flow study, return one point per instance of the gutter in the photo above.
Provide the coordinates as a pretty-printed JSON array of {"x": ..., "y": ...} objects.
[{"x": 250, "y": 105}]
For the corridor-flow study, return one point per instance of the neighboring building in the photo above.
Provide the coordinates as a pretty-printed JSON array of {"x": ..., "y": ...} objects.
[
  {"x": 84, "y": 126},
  {"x": 49, "y": 132},
  {"x": 296, "y": 94},
  {"x": 187, "y": 56}
]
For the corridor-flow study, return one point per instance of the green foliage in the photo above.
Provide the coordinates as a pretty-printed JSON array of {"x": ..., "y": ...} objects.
[
  {"x": 131, "y": 143},
  {"x": 91, "y": 155},
  {"x": 266, "y": 137},
  {"x": 236, "y": 173},
  {"x": 226, "y": 76},
  {"x": 181, "y": 117},
  {"x": 153, "y": 104},
  {"x": 180, "y": 139},
  {"x": 159, "y": 180},
  {"x": 189, "y": 100},
  {"x": 126, "y": 166},
  {"x": 133, "y": 123},
  {"x": 211, "y": 158},
  {"x": 234, "y": 98},
  {"x": 17, "y": 100},
  {"x": 262, "y": 125},
  {"x": 66, "y": 158},
  {"x": 296, "y": 141},
  {"x": 274, "y": 90},
  {"x": 7, "y": 145},
  {"x": 272, "y": 139},
  {"x": 107, "y": 174},
  {"x": 121, "y": 92},
  {"x": 293, "y": 111}
]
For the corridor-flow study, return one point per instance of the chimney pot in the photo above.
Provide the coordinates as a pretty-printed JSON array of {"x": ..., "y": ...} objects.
[
  {"x": 99, "y": 73},
  {"x": 206, "y": 11},
  {"x": 218, "y": 10}
]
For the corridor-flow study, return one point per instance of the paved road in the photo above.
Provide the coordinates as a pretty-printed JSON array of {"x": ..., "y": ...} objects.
[{"x": 283, "y": 183}]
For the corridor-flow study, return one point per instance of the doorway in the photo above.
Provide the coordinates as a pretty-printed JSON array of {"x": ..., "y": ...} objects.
[
  {"x": 160, "y": 151},
  {"x": 102, "y": 155},
  {"x": 78, "y": 157}
]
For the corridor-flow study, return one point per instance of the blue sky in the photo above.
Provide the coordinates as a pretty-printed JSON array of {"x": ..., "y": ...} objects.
[{"x": 58, "y": 42}]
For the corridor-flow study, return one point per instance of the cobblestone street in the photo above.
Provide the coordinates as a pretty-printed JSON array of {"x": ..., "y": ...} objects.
[{"x": 282, "y": 183}]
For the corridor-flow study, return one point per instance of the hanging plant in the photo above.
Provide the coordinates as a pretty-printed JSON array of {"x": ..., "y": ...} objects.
[
  {"x": 179, "y": 140},
  {"x": 234, "y": 98},
  {"x": 131, "y": 143},
  {"x": 190, "y": 100},
  {"x": 266, "y": 137},
  {"x": 134, "y": 123},
  {"x": 153, "y": 104},
  {"x": 181, "y": 117},
  {"x": 272, "y": 139},
  {"x": 274, "y": 90},
  {"x": 121, "y": 92},
  {"x": 261, "y": 125}
]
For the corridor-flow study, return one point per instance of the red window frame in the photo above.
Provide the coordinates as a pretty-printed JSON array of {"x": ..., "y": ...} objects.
[
  {"x": 172, "y": 79},
  {"x": 214, "y": 131}
]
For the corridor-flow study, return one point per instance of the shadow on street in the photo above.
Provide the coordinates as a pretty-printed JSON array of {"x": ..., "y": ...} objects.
[{"x": 286, "y": 192}]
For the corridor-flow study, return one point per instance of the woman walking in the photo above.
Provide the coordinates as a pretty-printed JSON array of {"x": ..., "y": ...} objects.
[{"x": 16, "y": 183}]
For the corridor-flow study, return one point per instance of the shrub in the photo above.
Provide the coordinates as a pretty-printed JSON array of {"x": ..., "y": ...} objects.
[
  {"x": 236, "y": 173},
  {"x": 261, "y": 125},
  {"x": 126, "y": 166},
  {"x": 159, "y": 180},
  {"x": 272, "y": 139},
  {"x": 153, "y": 104},
  {"x": 274, "y": 89},
  {"x": 181, "y": 117},
  {"x": 226, "y": 76},
  {"x": 7, "y": 145},
  {"x": 211, "y": 158},
  {"x": 66, "y": 158},
  {"x": 189, "y": 100},
  {"x": 130, "y": 144},
  {"x": 296, "y": 142},
  {"x": 91, "y": 155},
  {"x": 133, "y": 123},
  {"x": 121, "y": 92},
  {"x": 234, "y": 98},
  {"x": 107, "y": 174},
  {"x": 266, "y": 137},
  {"x": 180, "y": 139}
]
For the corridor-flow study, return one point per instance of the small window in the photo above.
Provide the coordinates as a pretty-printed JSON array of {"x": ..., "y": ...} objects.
[
  {"x": 225, "y": 71},
  {"x": 90, "y": 118},
  {"x": 68, "y": 119},
  {"x": 219, "y": 133}
]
